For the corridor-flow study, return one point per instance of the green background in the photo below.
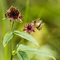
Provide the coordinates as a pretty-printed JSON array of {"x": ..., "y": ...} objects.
[{"x": 48, "y": 37}]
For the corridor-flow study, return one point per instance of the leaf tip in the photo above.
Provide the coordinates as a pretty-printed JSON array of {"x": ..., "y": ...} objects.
[
  {"x": 4, "y": 44},
  {"x": 37, "y": 44}
]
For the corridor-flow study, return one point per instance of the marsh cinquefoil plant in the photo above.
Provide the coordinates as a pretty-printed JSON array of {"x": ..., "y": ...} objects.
[{"x": 14, "y": 15}]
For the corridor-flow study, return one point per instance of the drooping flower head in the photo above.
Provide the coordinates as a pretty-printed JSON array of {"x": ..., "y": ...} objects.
[
  {"x": 38, "y": 23},
  {"x": 13, "y": 14},
  {"x": 29, "y": 28}
]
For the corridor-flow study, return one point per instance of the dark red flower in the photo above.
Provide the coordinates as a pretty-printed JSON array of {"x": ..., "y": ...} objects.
[
  {"x": 38, "y": 23},
  {"x": 29, "y": 28},
  {"x": 13, "y": 14}
]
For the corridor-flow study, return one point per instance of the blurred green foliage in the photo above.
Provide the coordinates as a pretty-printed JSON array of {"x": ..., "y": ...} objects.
[{"x": 48, "y": 37}]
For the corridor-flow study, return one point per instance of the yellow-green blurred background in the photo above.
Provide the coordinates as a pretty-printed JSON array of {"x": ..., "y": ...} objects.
[{"x": 48, "y": 37}]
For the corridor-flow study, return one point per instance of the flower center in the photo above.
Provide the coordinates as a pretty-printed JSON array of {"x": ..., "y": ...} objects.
[
  {"x": 14, "y": 14},
  {"x": 29, "y": 27}
]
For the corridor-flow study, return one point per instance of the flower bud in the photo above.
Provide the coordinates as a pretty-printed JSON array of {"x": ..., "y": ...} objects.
[{"x": 38, "y": 23}]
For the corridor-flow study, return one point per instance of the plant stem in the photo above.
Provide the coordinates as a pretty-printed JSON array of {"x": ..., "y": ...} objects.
[
  {"x": 11, "y": 57},
  {"x": 11, "y": 25},
  {"x": 11, "y": 29}
]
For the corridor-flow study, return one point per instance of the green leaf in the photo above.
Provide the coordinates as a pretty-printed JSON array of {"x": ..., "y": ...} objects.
[
  {"x": 8, "y": 36},
  {"x": 22, "y": 55},
  {"x": 26, "y": 36},
  {"x": 36, "y": 51}
]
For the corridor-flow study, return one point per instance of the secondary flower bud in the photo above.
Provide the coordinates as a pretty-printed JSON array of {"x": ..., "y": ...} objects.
[{"x": 29, "y": 28}]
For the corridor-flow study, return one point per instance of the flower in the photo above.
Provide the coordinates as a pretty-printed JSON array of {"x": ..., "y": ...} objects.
[
  {"x": 29, "y": 28},
  {"x": 38, "y": 23},
  {"x": 13, "y": 14}
]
